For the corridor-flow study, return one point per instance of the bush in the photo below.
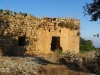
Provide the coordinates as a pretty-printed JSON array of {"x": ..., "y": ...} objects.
[{"x": 86, "y": 45}]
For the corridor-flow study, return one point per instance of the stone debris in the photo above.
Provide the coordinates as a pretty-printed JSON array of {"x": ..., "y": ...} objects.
[
  {"x": 18, "y": 65},
  {"x": 24, "y": 65}
]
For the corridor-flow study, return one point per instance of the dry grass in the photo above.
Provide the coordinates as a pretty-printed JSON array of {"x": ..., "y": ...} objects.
[
  {"x": 86, "y": 54},
  {"x": 67, "y": 68},
  {"x": 58, "y": 70},
  {"x": 89, "y": 64}
]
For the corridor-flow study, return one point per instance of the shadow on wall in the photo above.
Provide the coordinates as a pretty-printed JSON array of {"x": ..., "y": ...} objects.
[{"x": 10, "y": 43}]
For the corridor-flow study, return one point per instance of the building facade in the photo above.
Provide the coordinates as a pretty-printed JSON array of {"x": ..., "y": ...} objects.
[{"x": 31, "y": 35}]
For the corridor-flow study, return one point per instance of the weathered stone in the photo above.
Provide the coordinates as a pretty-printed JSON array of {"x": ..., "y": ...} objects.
[{"x": 43, "y": 34}]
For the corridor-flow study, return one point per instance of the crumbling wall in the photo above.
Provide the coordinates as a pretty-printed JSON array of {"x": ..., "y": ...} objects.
[
  {"x": 38, "y": 33},
  {"x": 13, "y": 27}
]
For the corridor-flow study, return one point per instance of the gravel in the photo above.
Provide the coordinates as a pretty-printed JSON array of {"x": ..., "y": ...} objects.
[{"x": 21, "y": 65}]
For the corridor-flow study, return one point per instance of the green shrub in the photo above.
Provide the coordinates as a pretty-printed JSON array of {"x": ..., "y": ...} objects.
[
  {"x": 58, "y": 51},
  {"x": 86, "y": 45}
]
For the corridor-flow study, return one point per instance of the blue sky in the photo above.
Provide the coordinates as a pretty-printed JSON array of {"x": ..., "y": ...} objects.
[{"x": 57, "y": 8}]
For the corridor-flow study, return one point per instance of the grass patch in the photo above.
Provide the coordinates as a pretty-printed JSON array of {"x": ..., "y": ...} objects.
[{"x": 59, "y": 51}]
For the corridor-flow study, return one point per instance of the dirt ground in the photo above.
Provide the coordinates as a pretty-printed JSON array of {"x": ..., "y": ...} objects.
[
  {"x": 49, "y": 69},
  {"x": 44, "y": 65},
  {"x": 58, "y": 70}
]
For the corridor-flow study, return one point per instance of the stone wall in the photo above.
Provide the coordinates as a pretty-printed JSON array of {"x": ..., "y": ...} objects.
[{"x": 31, "y": 35}]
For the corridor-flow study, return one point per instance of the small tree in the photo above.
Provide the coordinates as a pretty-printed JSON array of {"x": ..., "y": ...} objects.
[{"x": 86, "y": 45}]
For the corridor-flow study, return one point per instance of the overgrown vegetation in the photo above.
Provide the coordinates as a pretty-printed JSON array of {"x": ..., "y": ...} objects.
[
  {"x": 69, "y": 25},
  {"x": 82, "y": 63},
  {"x": 86, "y": 45},
  {"x": 58, "y": 51},
  {"x": 11, "y": 13}
]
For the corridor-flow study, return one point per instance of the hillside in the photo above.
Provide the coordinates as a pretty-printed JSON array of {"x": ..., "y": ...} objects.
[{"x": 49, "y": 65}]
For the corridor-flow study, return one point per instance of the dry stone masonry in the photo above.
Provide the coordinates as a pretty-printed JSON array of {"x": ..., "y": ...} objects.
[{"x": 21, "y": 33}]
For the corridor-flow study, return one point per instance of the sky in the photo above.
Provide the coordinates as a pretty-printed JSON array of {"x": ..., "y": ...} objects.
[{"x": 59, "y": 9}]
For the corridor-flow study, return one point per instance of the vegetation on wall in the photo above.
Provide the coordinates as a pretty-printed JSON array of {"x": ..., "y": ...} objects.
[
  {"x": 69, "y": 25},
  {"x": 11, "y": 13},
  {"x": 86, "y": 45}
]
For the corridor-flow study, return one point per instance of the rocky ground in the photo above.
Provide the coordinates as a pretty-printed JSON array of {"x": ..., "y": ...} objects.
[{"x": 41, "y": 65}]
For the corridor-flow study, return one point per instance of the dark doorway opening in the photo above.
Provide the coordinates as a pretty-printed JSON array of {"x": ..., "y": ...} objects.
[
  {"x": 21, "y": 40},
  {"x": 55, "y": 43}
]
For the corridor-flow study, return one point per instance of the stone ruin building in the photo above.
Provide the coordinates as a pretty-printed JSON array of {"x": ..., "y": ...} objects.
[{"x": 21, "y": 33}]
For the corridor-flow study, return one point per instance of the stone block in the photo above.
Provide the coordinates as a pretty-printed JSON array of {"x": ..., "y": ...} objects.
[{"x": 40, "y": 32}]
